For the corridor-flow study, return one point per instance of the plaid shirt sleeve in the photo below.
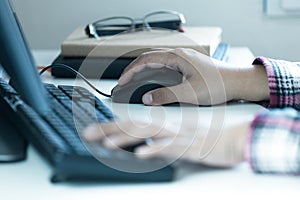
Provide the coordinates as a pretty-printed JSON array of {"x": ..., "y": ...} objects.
[
  {"x": 274, "y": 142},
  {"x": 284, "y": 82},
  {"x": 274, "y": 136}
]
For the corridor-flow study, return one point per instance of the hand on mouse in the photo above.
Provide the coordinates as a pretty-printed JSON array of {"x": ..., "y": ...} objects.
[
  {"x": 206, "y": 81},
  {"x": 206, "y": 145}
]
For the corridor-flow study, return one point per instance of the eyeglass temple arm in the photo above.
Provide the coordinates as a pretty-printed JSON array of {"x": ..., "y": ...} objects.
[{"x": 92, "y": 27}]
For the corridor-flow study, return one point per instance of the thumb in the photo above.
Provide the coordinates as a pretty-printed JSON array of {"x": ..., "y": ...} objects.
[{"x": 165, "y": 95}]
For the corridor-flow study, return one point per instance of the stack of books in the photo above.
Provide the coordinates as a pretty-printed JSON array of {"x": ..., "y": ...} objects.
[{"x": 108, "y": 56}]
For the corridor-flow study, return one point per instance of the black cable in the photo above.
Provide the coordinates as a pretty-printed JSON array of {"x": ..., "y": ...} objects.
[{"x": 58, "y": 65}]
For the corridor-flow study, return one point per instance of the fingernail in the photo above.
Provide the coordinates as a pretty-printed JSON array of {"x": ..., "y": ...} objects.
[
  {"x": 142, "y": 152},
  {"x": 89, "y": 133},
  {"x": 111, "y": 142},
  {"x": 147, "y": 99}
]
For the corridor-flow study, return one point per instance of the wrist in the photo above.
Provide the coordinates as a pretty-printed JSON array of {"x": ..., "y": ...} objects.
[
  {"x": 252, "y": 84},
  {"x": 232, "y": 79}
]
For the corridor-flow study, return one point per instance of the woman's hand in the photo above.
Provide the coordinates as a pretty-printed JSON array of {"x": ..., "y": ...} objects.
[
  {"x": 206, "y": 81},
  {"x": 206, "y": 146}
]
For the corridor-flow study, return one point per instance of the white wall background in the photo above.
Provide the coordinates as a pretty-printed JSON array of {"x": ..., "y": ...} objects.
[{"x": 47, "y": 23}]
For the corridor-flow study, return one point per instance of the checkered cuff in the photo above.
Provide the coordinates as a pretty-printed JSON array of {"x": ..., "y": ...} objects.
[
  {"x": 274, "y": 142},
  {"x": 284, "y": 82}
]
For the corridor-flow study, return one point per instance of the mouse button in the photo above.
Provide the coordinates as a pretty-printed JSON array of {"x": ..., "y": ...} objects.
[
  {"x": 119, "y": 94},
  {"x": 129, "y": 93}
]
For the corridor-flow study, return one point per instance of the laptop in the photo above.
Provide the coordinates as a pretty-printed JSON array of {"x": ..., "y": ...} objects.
[{"x": 51, "y": 118}]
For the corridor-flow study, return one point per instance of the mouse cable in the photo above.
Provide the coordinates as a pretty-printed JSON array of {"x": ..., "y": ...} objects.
[{"x": 59, "y": 65}]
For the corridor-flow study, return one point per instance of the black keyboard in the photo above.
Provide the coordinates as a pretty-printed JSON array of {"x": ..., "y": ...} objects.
[{"x": 56, "y": 136}]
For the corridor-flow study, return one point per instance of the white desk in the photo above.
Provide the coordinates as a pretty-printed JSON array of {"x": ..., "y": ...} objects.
[{"x": 29, "y": 180}]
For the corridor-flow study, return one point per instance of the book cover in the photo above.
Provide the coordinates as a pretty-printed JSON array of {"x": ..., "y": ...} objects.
[{"x": 132, "y": 44}]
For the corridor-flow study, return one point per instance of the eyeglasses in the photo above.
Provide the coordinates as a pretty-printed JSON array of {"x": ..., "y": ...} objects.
[{"x": 166, "y": 19}]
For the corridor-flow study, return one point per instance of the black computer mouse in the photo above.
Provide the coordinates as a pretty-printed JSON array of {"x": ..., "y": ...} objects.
[{"x": 144, "y": 81}]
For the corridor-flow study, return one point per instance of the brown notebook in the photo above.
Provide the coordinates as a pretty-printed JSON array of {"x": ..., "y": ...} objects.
[{"x": 132, "y": 44}]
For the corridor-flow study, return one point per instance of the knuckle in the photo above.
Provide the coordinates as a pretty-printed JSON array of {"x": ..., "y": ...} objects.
[
  {"x": 143, "y": 54},
  {"x": 184, "y": 51},
  {"x": 146, "y": 54},
  {"x": 180, "y": 50}
]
